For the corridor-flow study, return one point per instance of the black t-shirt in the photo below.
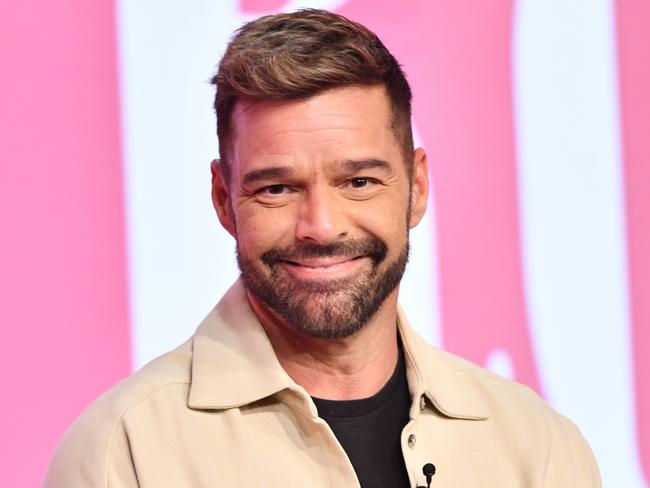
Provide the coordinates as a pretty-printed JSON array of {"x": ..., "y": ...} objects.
[{"x": 369, "y": 430}]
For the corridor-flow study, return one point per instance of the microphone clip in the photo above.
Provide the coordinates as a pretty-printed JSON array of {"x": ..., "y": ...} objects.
[{"x": 428, "y": 470}]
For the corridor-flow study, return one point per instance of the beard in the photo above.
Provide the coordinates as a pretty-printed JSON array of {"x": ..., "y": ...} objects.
[{"x": 324, "y": 309}]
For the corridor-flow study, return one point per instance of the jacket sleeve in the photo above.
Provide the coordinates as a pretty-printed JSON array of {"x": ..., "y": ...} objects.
[
  {"x": 94, "y": 453},
  {"x": 570, "y": 460}
]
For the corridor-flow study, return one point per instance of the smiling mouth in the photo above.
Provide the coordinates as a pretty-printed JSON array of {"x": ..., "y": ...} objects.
[
  {"x": 329, "y": 268},
  {"x": 322, "y": 263}
]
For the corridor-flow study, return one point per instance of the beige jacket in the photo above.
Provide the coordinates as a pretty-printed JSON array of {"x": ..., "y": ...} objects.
[{"x": 219, "y": 411}]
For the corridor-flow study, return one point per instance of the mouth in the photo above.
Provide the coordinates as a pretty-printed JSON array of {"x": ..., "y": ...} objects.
[
  {"x": 324, "y": 267},
  {"x": 320, "y": 263}
]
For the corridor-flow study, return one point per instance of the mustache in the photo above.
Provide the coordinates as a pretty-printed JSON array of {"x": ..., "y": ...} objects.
[{"x": 374, "y": 248}]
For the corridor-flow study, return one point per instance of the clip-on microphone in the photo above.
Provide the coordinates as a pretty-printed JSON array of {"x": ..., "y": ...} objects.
[{"x": 428, "y": 470}]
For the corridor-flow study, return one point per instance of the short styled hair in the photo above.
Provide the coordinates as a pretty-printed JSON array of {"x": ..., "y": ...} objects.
[{"x": 293, "y": 56}]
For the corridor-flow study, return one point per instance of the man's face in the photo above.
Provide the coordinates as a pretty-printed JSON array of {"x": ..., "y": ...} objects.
[{"x": 318, "y": 202}]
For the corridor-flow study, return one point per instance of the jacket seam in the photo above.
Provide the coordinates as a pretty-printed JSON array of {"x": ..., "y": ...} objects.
[
  {"x": 119, "y": 419},
  {"x": 548, "y": 451}
]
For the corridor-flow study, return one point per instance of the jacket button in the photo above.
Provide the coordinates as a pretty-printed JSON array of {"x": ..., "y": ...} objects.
[
  {"x": 423, "y": 403},
  {"x": 411, "y": 440}
]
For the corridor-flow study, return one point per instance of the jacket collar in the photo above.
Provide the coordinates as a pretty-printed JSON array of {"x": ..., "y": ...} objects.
[
  {"x": 233, "y": 364},
  {"x": 441, "y": 377}
]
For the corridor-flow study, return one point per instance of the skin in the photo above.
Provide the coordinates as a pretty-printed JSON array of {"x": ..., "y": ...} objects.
[{"x": 317, "y": 199}]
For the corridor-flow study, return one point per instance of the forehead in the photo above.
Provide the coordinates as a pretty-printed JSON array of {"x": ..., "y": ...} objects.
[{"x": 341, "y": 123}]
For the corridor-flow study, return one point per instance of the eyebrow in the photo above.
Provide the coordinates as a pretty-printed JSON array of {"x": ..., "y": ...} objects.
[
  {"x": 267, "y": 174},
  {"x": 354, "y": 165},
  {"x": 348, "y": 165}
]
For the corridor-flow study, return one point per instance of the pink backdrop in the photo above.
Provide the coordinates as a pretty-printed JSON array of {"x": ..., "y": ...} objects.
[{"x": 64, "y": 280}]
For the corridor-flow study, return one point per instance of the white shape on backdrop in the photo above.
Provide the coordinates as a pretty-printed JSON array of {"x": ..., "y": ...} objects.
[
  {"x": 180, "y": 259},
  {"x": 572, "y": 220},
  {"x": 419, "y": 290},
  {"x": 500, "y": 362}
]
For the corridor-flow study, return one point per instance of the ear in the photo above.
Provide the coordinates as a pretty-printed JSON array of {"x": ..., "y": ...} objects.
[
  {"x": 420, "y": 186},
  {"x": 221, "y": 197}
]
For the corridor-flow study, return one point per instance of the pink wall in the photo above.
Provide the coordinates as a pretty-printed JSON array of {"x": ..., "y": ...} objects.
[
  {"x": 633, "y": 17},
  {"x": 63, "y": 289},
  {"x": 64, "y": 309}
]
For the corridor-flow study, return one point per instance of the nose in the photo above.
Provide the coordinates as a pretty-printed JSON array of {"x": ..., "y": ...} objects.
[{"x": 320, "y": 219}]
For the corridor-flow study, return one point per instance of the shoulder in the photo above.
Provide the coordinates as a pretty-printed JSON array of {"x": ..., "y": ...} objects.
[
  {"x": 479, "y": 389},
  {"x": 95, "y": 447},
  {"x": 487, "y": 392},
  {"x": 494, "y": 391},
  {"x": 523, "y": 419}
]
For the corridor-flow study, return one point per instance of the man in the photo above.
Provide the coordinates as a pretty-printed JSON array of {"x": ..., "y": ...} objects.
[{"x": 307, "y": 372}]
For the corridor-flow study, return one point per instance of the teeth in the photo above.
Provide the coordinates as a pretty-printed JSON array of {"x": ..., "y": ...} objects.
[
  {"x": 316, "y": 266},
  {"x": 309, "y": 265}
]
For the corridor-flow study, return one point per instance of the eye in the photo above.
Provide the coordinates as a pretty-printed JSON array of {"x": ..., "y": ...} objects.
[
  {"x": 273, "y": 190},
  {"x": 359, "y": 182},
  {"x": 362, "y": 182}
]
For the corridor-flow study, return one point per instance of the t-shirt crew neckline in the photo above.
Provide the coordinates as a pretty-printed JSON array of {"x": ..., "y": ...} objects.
[{"x": 364, "y": 406}]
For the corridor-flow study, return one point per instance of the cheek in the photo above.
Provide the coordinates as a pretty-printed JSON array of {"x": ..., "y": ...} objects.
[
  {"x": 385, "y": 219},
  {"x": 261, "y": 230}
]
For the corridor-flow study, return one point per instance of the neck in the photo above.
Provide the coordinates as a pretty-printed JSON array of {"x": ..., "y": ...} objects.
[{"x": 340, "y": 369}]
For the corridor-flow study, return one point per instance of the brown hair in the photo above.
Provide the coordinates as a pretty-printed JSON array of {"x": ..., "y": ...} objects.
[{"x": 297, "y": 55}]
